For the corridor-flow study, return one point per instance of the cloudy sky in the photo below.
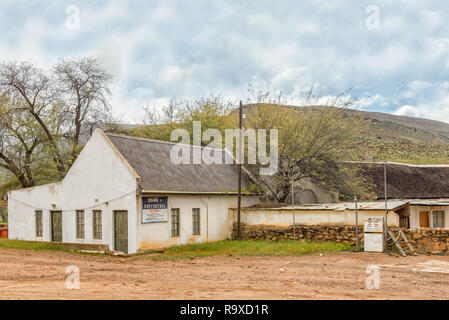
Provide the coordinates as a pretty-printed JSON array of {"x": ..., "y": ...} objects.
[{"x": 395, "y": 54}]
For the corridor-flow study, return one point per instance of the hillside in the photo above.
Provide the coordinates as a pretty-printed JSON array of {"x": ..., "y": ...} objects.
[
  {"x": 395, "y": 138},
  {"x": 431, "y": 126},
  {"x": 387, "y": 137},
  {"x": 402, "y": 139},
  {"x": 405, "y": 139}
]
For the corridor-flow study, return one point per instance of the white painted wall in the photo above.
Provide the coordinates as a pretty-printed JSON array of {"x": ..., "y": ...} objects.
[
  {"x": 100, "y": 180},
  {"x": 416, "y": 209},
  {"x": 282, "y": 217},
  {"x": 98, "y": 175},
  {"x": 214, "y": 220}
]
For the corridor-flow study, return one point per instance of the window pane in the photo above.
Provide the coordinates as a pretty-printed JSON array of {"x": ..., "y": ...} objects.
[
  {"x": 97, "y": 224},
  {"x": 175, "y": 222},
  {"x": 80, "y": 224},
  {"x": 39, "y": 225},
  {"x": 196, "y": 221},
  {"x": 438, "y": 219}
]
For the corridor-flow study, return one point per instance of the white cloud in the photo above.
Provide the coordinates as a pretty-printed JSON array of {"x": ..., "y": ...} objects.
[
  {"x": 408, "y": 111},
  {"x": 161, "y": 48}
]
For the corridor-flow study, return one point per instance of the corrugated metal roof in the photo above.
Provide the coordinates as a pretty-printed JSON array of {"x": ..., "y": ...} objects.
[
  {"x": 151, "y": 160},
  {"x": 377, "y": 205},
  {"x": 439, "y": 202}
]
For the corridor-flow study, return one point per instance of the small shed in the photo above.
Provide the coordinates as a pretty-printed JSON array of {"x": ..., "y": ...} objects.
[{"x": 320, "y": 214}]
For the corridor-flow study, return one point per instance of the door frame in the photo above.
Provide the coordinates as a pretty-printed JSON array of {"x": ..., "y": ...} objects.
[
  {"x": 51, "y": 225},
  {"x": 114, "y": 230},
  {"x": 428, "y": 218}
]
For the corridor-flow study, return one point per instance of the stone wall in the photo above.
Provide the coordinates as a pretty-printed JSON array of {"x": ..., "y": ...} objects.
[
  {"x": 430, "y": 241},
  {"x": 433, "y": 241}
]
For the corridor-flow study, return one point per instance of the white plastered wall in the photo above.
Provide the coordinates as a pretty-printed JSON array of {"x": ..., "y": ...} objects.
[
  {"x": 416, "y": 209},
  {"x": 284, "y": 217},
  {"x": 214, "y": 220},
  {"x": 98, "y": 180}
]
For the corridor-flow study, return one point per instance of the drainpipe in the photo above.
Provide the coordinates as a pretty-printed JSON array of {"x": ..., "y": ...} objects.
[{"x": 207, "y": 218}]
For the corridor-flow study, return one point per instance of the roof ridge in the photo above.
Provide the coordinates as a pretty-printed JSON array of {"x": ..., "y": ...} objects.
[
  {"x": 161, "y": 141},
  {"x": 402, "y": 164}
]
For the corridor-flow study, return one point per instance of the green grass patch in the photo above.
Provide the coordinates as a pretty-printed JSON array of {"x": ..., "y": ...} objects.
[
  {"x": 247, "y": 248},
  {"x": 32, "y": 245}
]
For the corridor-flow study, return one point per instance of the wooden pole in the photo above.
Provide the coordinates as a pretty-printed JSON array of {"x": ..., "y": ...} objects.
[
  {"x": 356, "y": 223},
  {"x": 386, "y": 205},
  {"x": 239, "y": 165}
]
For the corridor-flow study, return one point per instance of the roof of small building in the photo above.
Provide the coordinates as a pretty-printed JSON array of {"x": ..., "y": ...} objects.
[
  {"x": 374, "y": 205},
  {"x": 406, "y": 181},
  {"x": 158, "y": 173},
  {"x": 342, "y": 206}
]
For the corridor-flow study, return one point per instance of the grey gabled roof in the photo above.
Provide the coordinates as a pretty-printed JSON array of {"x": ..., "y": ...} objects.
[{"x": 151, "y": 160}]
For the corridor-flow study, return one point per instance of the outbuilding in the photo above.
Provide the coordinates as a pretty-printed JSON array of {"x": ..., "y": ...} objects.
[{"x": 126, "y": 193}]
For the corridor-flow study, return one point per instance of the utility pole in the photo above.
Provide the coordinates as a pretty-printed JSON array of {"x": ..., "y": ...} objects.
[
  {"x": 356, "y": 223},
  {"x": 386, "y": 205},
  {"x": 239, "y": 165}
]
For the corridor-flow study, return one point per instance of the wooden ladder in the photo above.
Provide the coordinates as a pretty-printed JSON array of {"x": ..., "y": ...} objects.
[{"x": 396, "y": 239}]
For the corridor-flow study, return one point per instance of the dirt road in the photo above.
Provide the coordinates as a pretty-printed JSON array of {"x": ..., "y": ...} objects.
[{"x": 41, "y": 275}]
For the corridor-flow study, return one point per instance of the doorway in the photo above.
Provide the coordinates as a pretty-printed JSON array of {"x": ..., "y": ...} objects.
[
  {"x": 121, "y": 231},
  {"x": 424, "y": 219},
  {"x": 56, "y": 226}
]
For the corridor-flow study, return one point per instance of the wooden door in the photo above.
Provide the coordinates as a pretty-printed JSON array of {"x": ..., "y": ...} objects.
[
  {"x": 121, "y": 231},
  {"x": 56, "y": 226},
  {"x": 424, "y": 219}
]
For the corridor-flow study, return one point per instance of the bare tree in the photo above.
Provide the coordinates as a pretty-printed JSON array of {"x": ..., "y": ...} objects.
[
  {"x": 168, "y": 114},
  {"x": 52, "y": 109},
  {"x": 33, "y": 90},
  {"x": 82, "y": 84}
]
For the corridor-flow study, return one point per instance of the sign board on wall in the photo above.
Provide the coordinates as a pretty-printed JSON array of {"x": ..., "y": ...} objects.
[{"x": 154, "y": 209}]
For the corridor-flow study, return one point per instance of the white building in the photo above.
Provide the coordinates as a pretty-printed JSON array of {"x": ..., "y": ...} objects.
[{"x": 126, "y": 192}]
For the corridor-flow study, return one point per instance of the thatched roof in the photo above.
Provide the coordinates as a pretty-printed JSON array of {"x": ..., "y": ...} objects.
[
  {"x": 407, "y": 181},
  {"x": 151, "y": 160}
]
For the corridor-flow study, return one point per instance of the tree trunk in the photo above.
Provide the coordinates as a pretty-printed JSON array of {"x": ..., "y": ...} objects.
[{"x": 57, "y": 158}]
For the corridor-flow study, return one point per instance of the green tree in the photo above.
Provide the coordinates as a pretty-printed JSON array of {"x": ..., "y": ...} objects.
[
  {"x": 44, "y": 114},
  {"x": 313, "y": 143}
]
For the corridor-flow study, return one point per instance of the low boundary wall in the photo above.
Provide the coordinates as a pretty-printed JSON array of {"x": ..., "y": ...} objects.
[{"x": 429, "y": 241}]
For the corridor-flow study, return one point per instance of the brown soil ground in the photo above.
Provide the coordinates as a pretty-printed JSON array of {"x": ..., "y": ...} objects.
[{"x": 41, "y": 275}]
